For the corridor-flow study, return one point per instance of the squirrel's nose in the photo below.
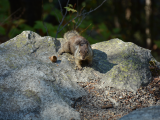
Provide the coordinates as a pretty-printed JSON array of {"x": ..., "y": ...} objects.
[{"x": 83, "y": 57}]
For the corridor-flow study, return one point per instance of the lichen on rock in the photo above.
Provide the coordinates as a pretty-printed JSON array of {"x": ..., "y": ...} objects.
[{"x": 128, "y": 64}]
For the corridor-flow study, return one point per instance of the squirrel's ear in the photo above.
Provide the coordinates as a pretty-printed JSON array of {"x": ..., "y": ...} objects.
[
  {"x": 77, "y": 42},
  {"x": 87, "y": 42}
]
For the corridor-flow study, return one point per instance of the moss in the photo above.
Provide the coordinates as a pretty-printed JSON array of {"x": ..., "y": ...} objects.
[
  {"x": 153, "y": 68},
  {"x": 2, "y": 88},
  {"x": 68, "y": 75},
  {"x": 51, "y": 43},
  {"x": 64, "y": 78},
  {"x": 127, "y": 69},
  {"x": 29, "y": 46},
  {"x": 6, "y": 43},
  {"x": 152, "y": 62},
  {"x": 124, "y": 68},
  {"x": 9, "y": 60},
  {"x": 20, "y": 40}
]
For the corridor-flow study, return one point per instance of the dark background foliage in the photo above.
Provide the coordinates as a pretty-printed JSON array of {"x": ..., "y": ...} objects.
[{"x": 136, "y": 21}]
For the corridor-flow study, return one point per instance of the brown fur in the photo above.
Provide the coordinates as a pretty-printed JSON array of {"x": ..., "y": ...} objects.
[{"x": 78, "y": 46}]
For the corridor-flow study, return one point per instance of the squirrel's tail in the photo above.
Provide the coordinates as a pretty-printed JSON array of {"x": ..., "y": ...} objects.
[{"x": 70, "y": 34}]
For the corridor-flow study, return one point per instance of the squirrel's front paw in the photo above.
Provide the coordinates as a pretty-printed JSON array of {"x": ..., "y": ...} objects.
[
  {"x": 60, "y": 51},
  {"x": 78, "y": 67}
]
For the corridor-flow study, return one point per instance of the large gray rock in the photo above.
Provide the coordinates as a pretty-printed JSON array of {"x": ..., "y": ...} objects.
[
  {"x": 31, "y": 87},
  {"x": 149, "y": 113},
  {"x": 123, "y": 65}
]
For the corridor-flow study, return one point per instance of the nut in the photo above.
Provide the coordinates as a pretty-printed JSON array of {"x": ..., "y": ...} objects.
[{"x": 53, "y": 58}]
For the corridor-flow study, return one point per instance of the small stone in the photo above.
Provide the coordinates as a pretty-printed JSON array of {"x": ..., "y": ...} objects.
[
  {"x": 107, "y": 106},
  {"x": 158, "y": 103},
  {"x": 120, "y": 97}
]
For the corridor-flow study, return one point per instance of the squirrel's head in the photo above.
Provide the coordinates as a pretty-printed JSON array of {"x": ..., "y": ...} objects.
[{"x": 83, "y": 50}]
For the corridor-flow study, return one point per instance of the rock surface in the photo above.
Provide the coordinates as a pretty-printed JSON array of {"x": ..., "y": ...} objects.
[
  {"x": 149, "y": 113},
  {"x": 32, "y": 87},
  {"x": 124, "y": 65}
]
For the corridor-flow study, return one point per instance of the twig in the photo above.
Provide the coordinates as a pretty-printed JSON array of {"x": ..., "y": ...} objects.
[
  {"x": 61, "y": 21},
  {"x": 45, "y": 27},
  {"x": 83, "y": 14},
  {"x": 60, "y": 6},
  {"x": 96, "y": 7},
  {"x": 16, "y": 19},
  {"x": 79, "y": 17},
  {"x": 85, "y": 29},
  {"x": 10, "y": 16}
]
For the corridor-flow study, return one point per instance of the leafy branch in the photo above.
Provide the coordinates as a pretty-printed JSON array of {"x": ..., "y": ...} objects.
[{"x": 83, "y": 14}]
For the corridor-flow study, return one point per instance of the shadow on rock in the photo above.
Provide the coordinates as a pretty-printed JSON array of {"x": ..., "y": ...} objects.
[{"x": 100, "y": 62}]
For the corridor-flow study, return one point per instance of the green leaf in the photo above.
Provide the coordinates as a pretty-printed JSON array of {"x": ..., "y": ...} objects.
[
  {"x": 25, "y": 27},
  {"x": 116, "y": 30},
  {"x": 83, "y": 4},
  {"x": 47, "y": 7},
  {"x": 157, "y": 43},
  {"x": 14, "y": 31},
  {"x": 57, "y": 14},
  {"x": 70, "y": 5},
  {"x": 52, "y": 30},
  {"x": 4, "y": 10},
  {"x": 73, "y": 21},
  {"x": 39, "y": 25},
  {"x": 70, "y": 9},
  {"x": 19, "y": 22},
  {"x": 4, "y": 5},
  {"x": 104, "y": 30},
  {"x": 2, "y": 31},
  {"x": 91, "y": 40}
]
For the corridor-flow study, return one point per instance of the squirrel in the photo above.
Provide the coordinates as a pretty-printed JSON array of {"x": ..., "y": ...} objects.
[{"x": 78, "y": 46}]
